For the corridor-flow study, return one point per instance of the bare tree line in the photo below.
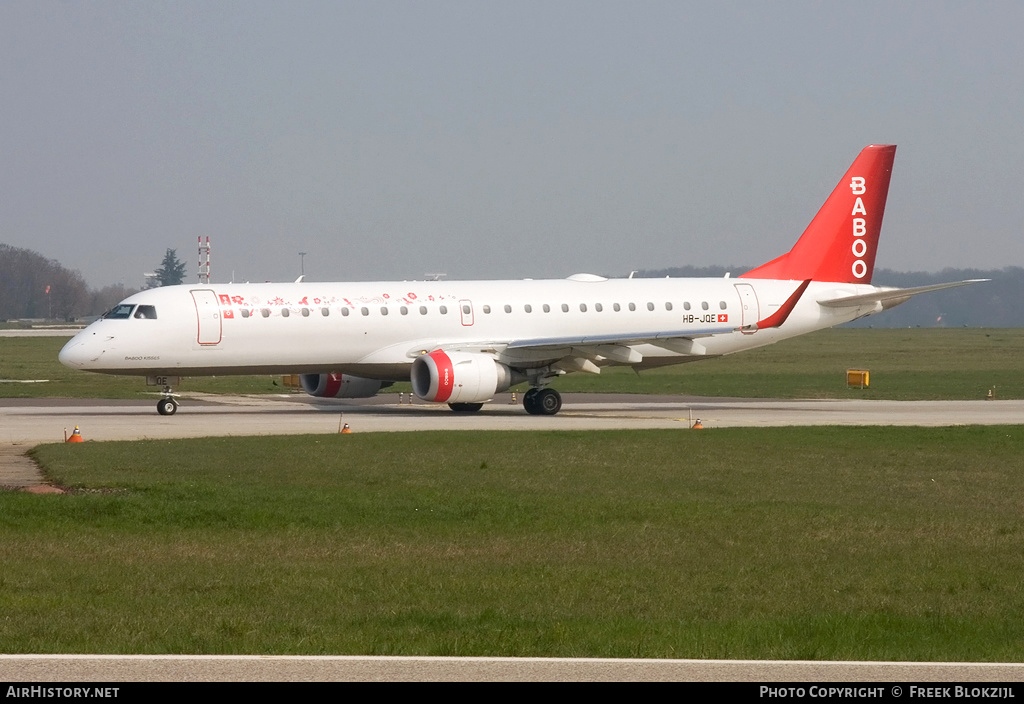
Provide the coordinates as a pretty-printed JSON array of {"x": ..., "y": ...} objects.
[{"x": 34, "y": 287}]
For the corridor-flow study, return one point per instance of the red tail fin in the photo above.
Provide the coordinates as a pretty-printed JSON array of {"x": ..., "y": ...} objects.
[{"x": 841, "y": 241}]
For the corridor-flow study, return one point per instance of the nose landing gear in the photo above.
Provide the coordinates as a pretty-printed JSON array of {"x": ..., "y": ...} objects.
[{"x": 167, "y": 406}]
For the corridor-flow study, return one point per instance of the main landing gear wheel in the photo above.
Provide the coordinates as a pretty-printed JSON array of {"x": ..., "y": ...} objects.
[
  {"x": 465, "y": 407},
  {"x": 530, "y": 401},
  {"x": 542, "y": 402},
  {"x": 166, "y": 406}
]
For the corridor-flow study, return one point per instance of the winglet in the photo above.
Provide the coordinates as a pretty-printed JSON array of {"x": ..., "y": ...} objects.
[{"x": 779, "y": 317}]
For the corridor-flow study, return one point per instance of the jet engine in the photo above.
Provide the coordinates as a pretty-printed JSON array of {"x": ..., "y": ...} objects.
[
  {"x": 340, "y": 385},
  {"x": 460, "y": 377}
]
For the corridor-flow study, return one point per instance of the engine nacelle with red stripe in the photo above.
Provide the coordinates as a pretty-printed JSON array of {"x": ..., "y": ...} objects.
[
  {"x": 340, "y": 385},
  {"x": 460, "y": 377}
]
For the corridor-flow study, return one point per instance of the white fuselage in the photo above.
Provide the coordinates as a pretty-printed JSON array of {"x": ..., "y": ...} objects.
[
  {"x": 460, "y": 342},
  {"x": 377, "y": 329}
]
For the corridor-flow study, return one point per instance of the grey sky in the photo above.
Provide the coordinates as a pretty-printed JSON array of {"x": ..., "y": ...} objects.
[{"x": 500, "y": 139}]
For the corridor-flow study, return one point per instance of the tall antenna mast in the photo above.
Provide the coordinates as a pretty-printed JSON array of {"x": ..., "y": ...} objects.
[{"x": 204, "y": 261}]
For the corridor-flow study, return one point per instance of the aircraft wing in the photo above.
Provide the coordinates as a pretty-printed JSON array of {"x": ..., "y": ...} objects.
[
  {"x": 582, "y": 352},
  {"x": 617, "y": 339},
  {"x": 889, "y": 297},
  {"x": 772, "y": 321},
  {"x": 555, "y": 347}
]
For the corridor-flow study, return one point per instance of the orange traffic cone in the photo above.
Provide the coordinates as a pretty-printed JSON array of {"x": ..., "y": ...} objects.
[
  {"x": 697, "y": 425},
  {"x": 76, "y": 436},
  {"x": 346, "y": 429}
]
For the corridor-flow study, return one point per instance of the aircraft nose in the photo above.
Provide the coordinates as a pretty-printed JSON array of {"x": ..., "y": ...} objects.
[{"x": 76, "y": 353}]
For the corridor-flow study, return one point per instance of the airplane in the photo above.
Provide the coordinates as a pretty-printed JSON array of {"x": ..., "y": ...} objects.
[{"x": 462, "y": 342}]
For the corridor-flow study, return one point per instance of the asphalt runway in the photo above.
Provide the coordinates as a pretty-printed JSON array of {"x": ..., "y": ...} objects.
[{"x": 27, "y": 422}]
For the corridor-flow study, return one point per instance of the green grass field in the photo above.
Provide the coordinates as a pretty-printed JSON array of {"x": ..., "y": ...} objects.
[
  {"x": 961, "y": 363},
  {"x": 794, "y": 543}
]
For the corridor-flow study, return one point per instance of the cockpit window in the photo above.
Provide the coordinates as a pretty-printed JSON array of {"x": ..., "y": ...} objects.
[
  {"x": 122, "y": 310},
  {"x": 146, "y": 312}
]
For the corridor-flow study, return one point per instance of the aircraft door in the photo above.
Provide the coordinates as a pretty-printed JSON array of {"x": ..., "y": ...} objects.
[
  {"x": 749, "y": 312},
  {"x": 466, "y": 309},
  {"x": 207, "y": 317}
]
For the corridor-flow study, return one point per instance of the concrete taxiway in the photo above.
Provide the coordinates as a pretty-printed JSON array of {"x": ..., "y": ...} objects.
[
  {"x": 34, "y": 421},
  {"x": 25, "y": 423}
]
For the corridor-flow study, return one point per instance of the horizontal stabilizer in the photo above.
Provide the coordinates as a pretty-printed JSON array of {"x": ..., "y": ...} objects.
[{"x": 889, "y": 297}]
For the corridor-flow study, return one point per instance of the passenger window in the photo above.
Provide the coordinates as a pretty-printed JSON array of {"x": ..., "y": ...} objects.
[
  {"x": 547, "y": 308},
  {"x": 305, "y": 312},
  {"x": 344, "y": 312},
  {"x": 443, "y": 310},
  {"x": 686, "y": 305},
  {"x": 616, "y": 307},
  {"x": 465, "y": 310},
  {"x": 583, "y": 307},
  {"x": 704, "y": 305},
  {"x": 325, "y": 312},
  {"x": 650, "y": 306},
  {"x": 565, "y": 307},
  {"x": 364, "y": 310},
  {"x": 487, "y": 310},
  {"x": 404, "y": 310},
  {"x": 265, "y": 312},
  {"x": 423, "y": 310},
  {"x": 668, "y": 305},
  {"x": 245, "y": 312},
  {"x": 383, "y": 310},
  {"x": 528, "y": 308},
  {"x": 721, "y": 304},
  {"x": 285, "y": 312},
  {"x": 632, "y": 306},
  {"x": 598, "y": 307},
  {"x": 508, "y": 308}
]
